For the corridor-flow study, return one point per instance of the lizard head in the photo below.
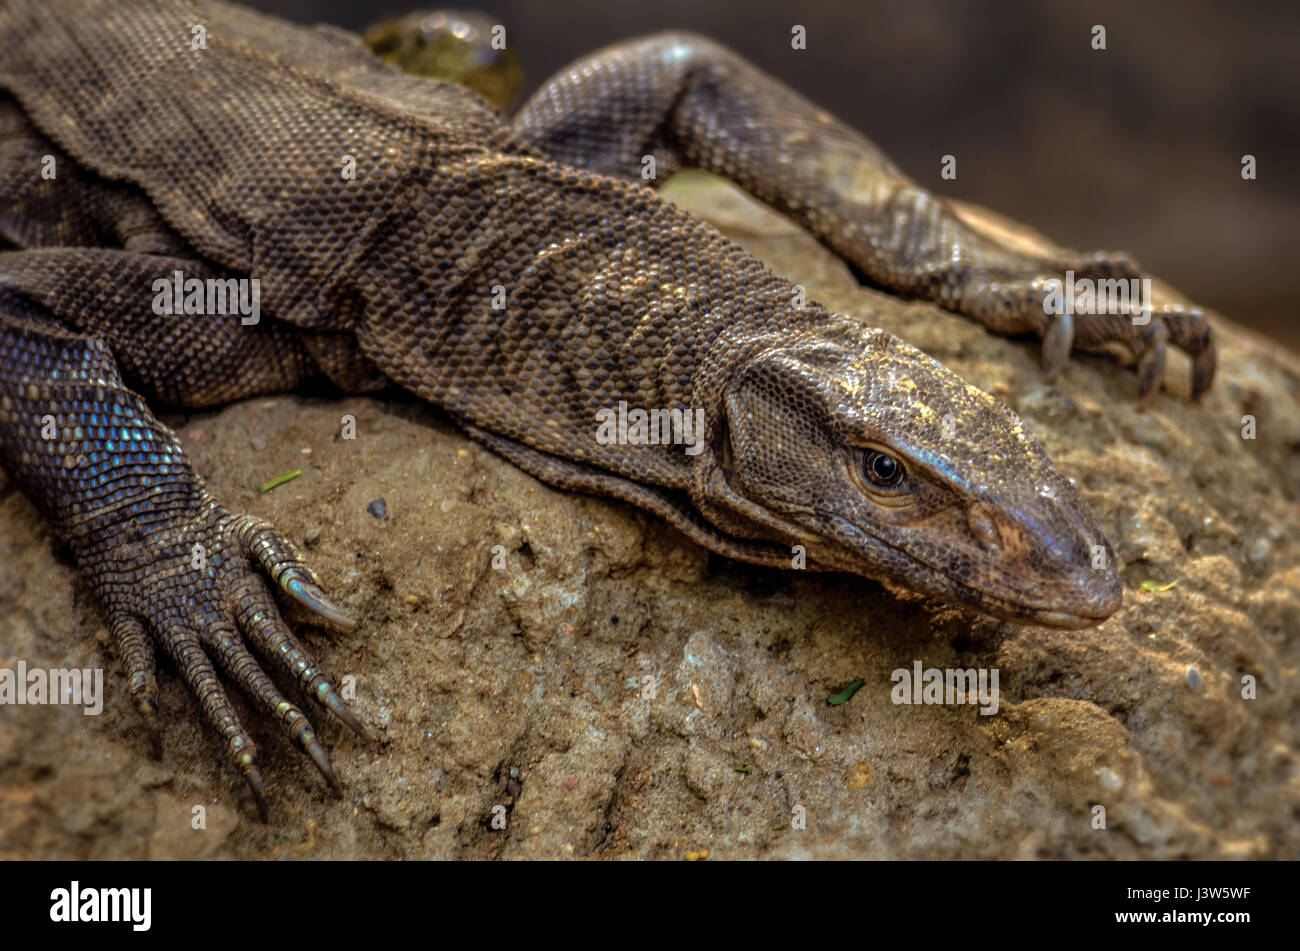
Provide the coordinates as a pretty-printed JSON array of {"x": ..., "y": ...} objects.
[{"x": 882, "y": 462}]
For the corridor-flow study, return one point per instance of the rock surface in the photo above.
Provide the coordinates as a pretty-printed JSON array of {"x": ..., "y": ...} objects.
[{"x": 613, "y": 691}]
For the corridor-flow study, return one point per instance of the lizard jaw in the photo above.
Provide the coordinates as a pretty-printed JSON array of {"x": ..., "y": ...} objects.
[
  {"x": 1042, "y": 617},
  {"x": 1101, "y": 602},
  {"x": 1019, "y": 612}
]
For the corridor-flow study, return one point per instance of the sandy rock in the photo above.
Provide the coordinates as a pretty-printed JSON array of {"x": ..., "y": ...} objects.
[{"x": 613, "y": 691}]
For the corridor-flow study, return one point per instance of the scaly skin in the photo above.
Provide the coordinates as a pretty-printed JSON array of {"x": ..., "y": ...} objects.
[{"x": 226, "y": 161}]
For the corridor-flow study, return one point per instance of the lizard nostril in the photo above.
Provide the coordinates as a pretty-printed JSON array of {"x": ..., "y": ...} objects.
[{"x": 983, "y": 527}]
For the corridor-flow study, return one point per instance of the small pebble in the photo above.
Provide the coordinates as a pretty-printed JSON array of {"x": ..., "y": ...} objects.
[
  {"x": 257, "y": 442},
  {"x": 313, "y": 535},
  {"x": 378, "y": 508},
  {"x": 1194, "y": 678}
]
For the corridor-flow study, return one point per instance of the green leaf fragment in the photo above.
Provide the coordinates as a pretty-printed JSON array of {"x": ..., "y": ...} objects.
[
  {"x": 281, "y": 479},
  {"x": 1152, "y": 586},
  {"x": 742, "y": 769},
  {"x": 846, "y": 694}
]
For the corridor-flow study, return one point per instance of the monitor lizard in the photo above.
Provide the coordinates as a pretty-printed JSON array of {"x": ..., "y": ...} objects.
[{"x": 523, "y": 275}]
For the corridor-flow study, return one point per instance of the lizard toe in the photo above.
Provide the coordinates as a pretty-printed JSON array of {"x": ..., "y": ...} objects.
[
  {"x": 1190, "y": 331},
  {"x": 1151, "y": 362},
  {"x": 137, "y": 654},
  {"x": 284, "y": 563},
  {"x": 186, "y": 650},
  {"x": 1057, "y": 343},
  {"x": 261, "y": 623},
  {"x": 1204, "y": 365},
  {"x": 241, "y": 666}
]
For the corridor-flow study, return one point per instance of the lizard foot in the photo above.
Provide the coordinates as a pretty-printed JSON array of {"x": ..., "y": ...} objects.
[
  {"x": 1145, "y": 339},
  {"x": 1114, "y": 322},
  {"x": 193, "y": 581}
]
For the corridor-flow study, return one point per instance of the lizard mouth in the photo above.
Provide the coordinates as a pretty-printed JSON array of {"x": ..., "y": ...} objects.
[
  {"x": 1021, "y": 613},
  {"x": 981, "y": 599}
]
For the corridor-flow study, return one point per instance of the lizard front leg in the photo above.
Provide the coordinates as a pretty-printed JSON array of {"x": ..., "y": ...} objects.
[
  {"x": 691, "y": 102},
  {"x": 161, "y": 554}
]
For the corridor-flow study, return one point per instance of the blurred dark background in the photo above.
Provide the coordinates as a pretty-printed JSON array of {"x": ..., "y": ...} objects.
[{"x": 1136, "y": 148}]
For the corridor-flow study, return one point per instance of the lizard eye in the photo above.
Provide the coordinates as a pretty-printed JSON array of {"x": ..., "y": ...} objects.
[{"x": 881, "y": 469}]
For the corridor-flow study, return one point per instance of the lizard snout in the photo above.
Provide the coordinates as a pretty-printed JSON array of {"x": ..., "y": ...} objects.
[{"x": 1051, "y": 559}]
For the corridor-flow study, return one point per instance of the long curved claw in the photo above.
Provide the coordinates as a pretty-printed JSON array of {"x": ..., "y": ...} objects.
[
  {"x": 1057, "y": 344},
  {"x": 303, "y": 589},
  {"x": 1189, "y": 330},
  {"x": 329, "y": 698},
  {"x": 284, "y": 563},
  {"x": 257, "y": 786},
  {"x": 1151, "y": 364},
  {"x": 300, "y": 731},
  {"x": 1204, "y": 365},
  {"x": 318, "y": 756}
]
